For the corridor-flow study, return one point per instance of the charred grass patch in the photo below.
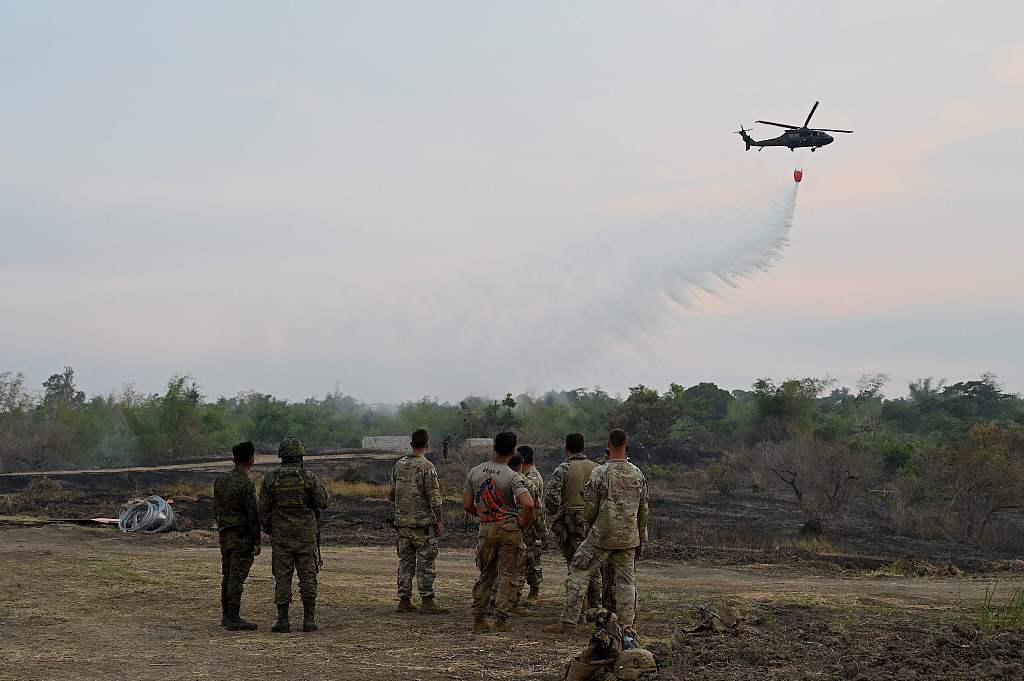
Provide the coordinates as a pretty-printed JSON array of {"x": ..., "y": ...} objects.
[{"x": 848, "y": 639}]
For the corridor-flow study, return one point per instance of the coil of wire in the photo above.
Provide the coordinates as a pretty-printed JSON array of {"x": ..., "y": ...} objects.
[{"x": 149, "y": 515}]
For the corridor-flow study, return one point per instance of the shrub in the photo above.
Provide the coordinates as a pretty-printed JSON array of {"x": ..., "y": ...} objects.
[
  {"x": 722, "y": 478},
  {"x": 11, "y": 504},
  {"x": 41, "y": 491}
]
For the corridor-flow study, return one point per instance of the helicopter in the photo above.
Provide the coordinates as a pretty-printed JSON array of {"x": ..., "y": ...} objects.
[{"x": 795, "y": 136}]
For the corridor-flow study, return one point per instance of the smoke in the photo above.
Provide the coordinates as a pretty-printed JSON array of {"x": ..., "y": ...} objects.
[
  {"x": 558, "y": 316},
  {"x": 509, "y": 307}
]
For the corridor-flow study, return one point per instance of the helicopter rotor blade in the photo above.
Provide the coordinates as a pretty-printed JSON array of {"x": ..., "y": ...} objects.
[
  {"x": 813, "y": 109},
  {"x": 831, "y": 130},
  {"x": 780, "y": 125}
]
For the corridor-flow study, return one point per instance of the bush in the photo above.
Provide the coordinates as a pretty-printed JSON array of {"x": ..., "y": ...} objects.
[
  {"x": 722, "y": 478},
  {"x": 11, "y": 504},
  {"x": 41, "y": 491}
]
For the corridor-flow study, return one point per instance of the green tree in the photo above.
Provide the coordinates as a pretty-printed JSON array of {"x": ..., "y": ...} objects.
[{"x": 784, "y": 411}]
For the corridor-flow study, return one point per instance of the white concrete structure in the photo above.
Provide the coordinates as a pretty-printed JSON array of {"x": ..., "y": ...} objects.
[
  {"x": 480, "y": 442},
  {"x": 388, "y": 443}
]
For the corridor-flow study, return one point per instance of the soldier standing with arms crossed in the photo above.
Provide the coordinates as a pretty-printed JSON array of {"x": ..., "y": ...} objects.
[
  {"x": 238, "y": 526},
  {"x": 616, "y": 510},
  {"x": 290, "y": 499},
  {"x": 416, "y": 498},
  {"x": 536, "y": 535},
  {"x": 498, "y": 496},
  {"x": 563, "y": 500}
]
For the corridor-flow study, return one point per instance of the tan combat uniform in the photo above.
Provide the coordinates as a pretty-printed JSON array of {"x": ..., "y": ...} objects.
[
  {"x": 500, "y": 552},
  {"x": 416, "y": 498},
  {"x": 563, "y": 499},
  {"x": 616, "y": 509}
]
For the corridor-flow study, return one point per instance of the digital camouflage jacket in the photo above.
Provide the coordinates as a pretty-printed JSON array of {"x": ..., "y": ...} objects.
[
  {"x": 565, "y": 487},
  {"x": 288, "y": 496},
  {"x": 234, "y": 503},
  {"x": 415, "y": 493},
  {"x": 617, "y": 505}
]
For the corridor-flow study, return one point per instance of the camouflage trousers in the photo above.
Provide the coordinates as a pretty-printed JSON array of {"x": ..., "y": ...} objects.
[
  {"x": 500, "y": 556},
  {"x": 534, "y": 573},
  {"x": 572, "y": 531},
  {"x": 235, "y": 561},
  {"x": 294, "y": 555},
  {"x": 585, "y": 564},
  {"x": 417, "y": 551}
]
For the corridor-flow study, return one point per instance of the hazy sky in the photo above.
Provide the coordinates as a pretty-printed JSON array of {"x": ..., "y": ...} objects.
[{"x": 413, "y": 198}]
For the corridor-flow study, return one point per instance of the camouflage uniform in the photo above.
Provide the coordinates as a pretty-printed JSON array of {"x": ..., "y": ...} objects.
[
  {"x": 563, "y": 499},
  {"x": 537, "y": 532},
  {"x": 500, "y": 553},
  {"x": 289, "y": 497},
  {"x": 416, "y": 497},
  {"x": 616, "y": 509},
  {"x": 238, "y": 524}
]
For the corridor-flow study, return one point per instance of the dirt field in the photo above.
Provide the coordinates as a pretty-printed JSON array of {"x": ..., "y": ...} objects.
[{"x": 91, "y": 603}]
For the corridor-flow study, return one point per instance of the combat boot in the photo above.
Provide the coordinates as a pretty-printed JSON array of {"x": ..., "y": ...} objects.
[
  {"x": 309, "y": 616},
  {"x": 533, "y": 596},
  {"x": 236, "y": 623},
  {"x": 501, "y": 624},
  {"x": 430, "y": 607},
  {"x": 282, "y": 625},
  {"x": 559, "y": 628},
  {"x": 405, "y": 605},
  {"x": 223, "y": 613},
  {"x": 480, "y": 624},
  {"x": 517, "y": 606}
]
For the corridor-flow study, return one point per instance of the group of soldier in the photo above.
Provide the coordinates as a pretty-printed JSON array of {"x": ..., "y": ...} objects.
[{"x": 597, "y": 514}]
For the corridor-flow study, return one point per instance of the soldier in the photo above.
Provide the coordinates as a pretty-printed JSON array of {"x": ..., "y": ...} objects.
[
  {"x": 290, "y": 500},
  {"x": 499, "y": 497},
  {"x": 616, "y": 509},
  {"x": 238, "y": 524},
  {"x": 416, "y": 498},
  {"x": 563, "y": 500},
  {"x": 535, "y": 536}
]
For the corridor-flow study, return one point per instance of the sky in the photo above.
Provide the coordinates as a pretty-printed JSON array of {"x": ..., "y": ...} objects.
[{"x": 410, "y": 199}]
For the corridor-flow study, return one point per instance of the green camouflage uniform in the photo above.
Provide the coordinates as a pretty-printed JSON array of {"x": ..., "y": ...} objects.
[
  {"x": 563, "y": 500},
  {"x": 616, "y": 509},
  {"x": 537, "y": 532},
  {"x": 416, "y": 497},
  {"x": 289, "y": 497},
  {"x": 238, "y": 524}
]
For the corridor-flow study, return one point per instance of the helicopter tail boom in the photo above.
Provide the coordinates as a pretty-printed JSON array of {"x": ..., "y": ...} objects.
[{"x": 742, "y": 132}]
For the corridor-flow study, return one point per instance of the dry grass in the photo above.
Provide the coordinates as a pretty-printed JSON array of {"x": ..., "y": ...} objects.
[
  {"x": 358, "y": 489},
  {"x": 189, "y": 488},
  {"x": 816, "y": 545},
  {"x": 36, "y": 496}
]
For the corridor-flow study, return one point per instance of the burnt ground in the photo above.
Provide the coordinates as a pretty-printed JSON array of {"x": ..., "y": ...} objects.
[
  {"x": 741, "y": 527},
  {"x": 92, "y": 603}
]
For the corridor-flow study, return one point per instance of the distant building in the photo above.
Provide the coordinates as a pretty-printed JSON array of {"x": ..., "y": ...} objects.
[
  {"x": 480, "y": 442},
  {"x": 388, "y": 443}
]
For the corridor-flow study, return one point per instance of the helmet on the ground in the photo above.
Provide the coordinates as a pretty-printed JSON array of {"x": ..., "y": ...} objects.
[
  {"x": 291, "y": 448},
  {"x": 635, "y": 663}
]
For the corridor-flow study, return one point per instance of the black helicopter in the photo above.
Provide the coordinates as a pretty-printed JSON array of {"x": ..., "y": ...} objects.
[{"x": 794, "y": 137}]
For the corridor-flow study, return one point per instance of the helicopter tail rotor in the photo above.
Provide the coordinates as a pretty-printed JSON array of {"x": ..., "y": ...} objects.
[{"x": 742, "y": 132}]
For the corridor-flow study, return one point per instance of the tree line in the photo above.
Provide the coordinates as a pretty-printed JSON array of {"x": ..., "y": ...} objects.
[{"x": 944, "y": 458}]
